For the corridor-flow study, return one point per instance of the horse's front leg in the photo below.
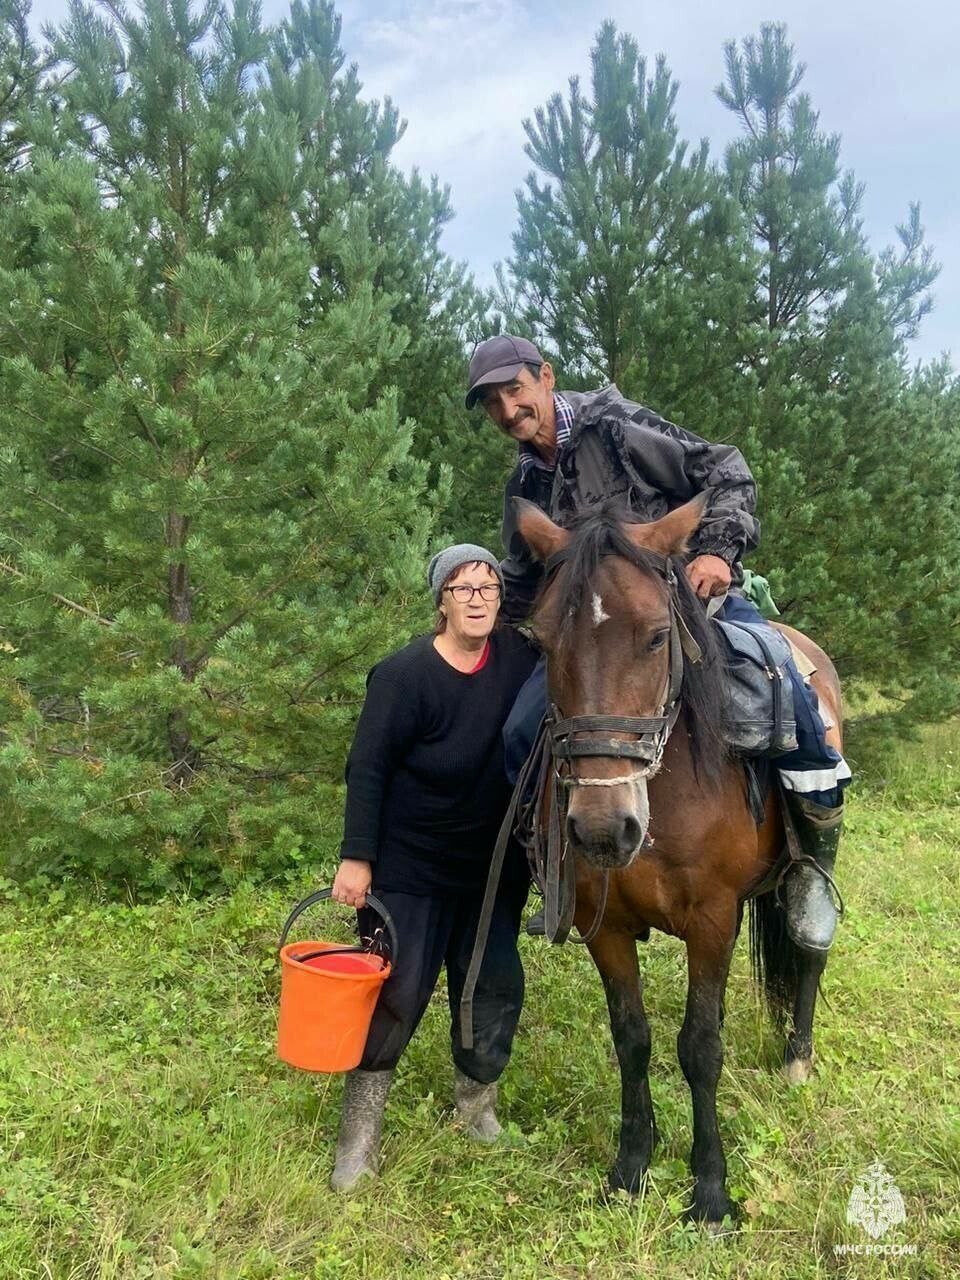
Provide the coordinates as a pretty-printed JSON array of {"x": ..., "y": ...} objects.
[
  {"x": 700, "y": 1049},
  {"x": 615, "y": 955}
]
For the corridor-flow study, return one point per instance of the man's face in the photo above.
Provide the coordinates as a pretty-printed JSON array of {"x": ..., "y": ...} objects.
[{"x": 523, "y": 409}]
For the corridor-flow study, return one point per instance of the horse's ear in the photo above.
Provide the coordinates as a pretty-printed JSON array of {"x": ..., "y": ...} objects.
[
  {"x": 671, "y": 534},
  {"x": 538, "y": 531}
]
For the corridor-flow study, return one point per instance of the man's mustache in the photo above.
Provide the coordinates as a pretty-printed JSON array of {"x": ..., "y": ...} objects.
[{"x": 518, "y": 418}]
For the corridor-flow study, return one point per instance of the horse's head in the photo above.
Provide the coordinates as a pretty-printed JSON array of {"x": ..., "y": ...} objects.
[{"x": 610, "y": 624}]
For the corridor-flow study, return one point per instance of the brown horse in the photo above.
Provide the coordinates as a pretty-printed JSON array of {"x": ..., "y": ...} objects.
[{"x": 660, "y": 805}]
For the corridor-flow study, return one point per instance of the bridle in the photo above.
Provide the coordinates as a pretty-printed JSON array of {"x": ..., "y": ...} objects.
[
  {"x": 649, "y": 733},
  {"x": 557, "y": 745},
  {"x": 561, "y": 741}
]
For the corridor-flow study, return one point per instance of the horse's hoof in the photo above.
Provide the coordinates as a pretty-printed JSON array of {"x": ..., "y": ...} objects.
[
  {"x": 606, "y": 1197},
  {"x": 631, "y": 1182},
  {"x": 798, "y": 1070},
  {"x": 716, "y": 1213},
  {"x": 719, "y": 1228}
]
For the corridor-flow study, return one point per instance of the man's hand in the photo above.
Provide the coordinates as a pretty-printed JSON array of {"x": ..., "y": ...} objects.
[
  {"x": 352, "y": 883},
  {"x": 709, "y": 576}
]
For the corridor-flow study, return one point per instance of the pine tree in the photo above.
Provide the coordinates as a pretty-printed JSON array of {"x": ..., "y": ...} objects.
[
  {"x": 855, "y": 468},
  {"x": 215, "y": 522},
  {"x": 785, "y": 171},
  {"x": 19, "y": 76},
  {"x": 628, "y": 259},
  {"x": 430, "y": 298}
]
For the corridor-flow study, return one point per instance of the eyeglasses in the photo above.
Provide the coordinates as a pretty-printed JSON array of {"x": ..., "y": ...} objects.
[{"x": 463, "y": 593}]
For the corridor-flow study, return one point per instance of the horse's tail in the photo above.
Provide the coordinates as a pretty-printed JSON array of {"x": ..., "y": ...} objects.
[{"x": 776, "y": 961}]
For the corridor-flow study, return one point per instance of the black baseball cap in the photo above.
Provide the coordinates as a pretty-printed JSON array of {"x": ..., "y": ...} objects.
[{"x": 499, "y": 359}]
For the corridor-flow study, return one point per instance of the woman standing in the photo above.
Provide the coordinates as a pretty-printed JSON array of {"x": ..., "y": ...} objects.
[{"x": 426, "y": 794}]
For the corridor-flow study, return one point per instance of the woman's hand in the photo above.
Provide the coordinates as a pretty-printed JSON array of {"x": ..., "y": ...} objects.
[{"x": 352, "y": 883}]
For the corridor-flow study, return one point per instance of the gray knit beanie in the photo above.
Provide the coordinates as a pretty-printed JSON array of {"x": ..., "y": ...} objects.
[{"x": 446, "y": 562}]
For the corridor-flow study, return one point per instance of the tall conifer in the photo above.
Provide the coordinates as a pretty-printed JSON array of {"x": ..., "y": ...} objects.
[
  {"x": 213, "y": 519},
  {"x": 19, "y": 77},
  {"x": 854, "y": 464},
  {"x": 628, "y": 259}
]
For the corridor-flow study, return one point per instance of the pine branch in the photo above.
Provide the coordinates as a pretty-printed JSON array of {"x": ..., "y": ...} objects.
[
  {"x": 70, "y": 604},
  {"x": 296, "y": 698},
  {"x": 264, "y": 593}
]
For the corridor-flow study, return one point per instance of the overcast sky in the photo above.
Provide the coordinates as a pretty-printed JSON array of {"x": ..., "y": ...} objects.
[{"x": 464, "y": 74}]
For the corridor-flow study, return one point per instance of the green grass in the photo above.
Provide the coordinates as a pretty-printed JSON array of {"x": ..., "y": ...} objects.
[{"x": 147, "y": 1129}]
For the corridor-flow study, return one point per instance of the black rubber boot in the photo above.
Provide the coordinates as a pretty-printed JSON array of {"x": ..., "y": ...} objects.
[
  {"x": 361, "y": 1124},
  {"x": 536, "y": 926},
  {"x": 810, "y": 898},
  {"x": 476, "y": 1106}
]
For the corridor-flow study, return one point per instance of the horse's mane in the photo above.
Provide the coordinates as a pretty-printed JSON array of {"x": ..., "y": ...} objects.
[{"x": 597, "y": 533}]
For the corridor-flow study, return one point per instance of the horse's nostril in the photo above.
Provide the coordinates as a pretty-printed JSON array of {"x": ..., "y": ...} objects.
[
  {"x": 573, "y": 831},
  {"x": 632, "y": 834}
]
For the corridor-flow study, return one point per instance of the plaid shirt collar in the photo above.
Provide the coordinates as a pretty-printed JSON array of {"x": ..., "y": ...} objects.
[{"x": 529, "y": 457}]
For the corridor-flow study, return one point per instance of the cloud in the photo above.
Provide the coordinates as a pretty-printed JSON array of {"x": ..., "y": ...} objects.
[
  {"x": 428, "y": 31},
  {"x": 465, "y": 74}
]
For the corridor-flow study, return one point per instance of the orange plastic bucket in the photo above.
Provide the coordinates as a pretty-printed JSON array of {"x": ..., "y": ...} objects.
[{"x": 327, "y": 995}]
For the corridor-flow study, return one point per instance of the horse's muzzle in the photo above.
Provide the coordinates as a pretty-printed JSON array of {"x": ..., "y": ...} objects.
[{"x": 607, "y": 830}]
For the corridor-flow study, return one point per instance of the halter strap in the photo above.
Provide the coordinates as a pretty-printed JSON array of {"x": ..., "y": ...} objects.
[{"x": 650, "y": 732}]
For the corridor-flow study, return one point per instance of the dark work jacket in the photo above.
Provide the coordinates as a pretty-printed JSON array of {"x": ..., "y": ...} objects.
[{"x": 619, "y": 450}]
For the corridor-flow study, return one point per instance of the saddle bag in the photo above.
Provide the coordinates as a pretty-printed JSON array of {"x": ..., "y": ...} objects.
[{"x": 760, "y": 718}]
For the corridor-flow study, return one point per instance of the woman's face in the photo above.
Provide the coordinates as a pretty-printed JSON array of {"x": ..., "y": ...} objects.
[{"x": 472, "y": 619}]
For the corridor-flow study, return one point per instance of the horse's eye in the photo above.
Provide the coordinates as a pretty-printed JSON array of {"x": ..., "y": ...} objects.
[{"x": 658, "y": 641}]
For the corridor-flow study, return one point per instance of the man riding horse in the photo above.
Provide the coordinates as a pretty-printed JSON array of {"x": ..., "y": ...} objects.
[{"x": 581, "y": 448}]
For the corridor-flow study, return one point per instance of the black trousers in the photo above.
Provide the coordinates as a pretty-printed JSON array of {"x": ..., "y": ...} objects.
[{"x": 435, "y": 931}]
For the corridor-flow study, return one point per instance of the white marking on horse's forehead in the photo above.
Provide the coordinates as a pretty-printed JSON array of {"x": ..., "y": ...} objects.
[{"x": 598, "y": 612}]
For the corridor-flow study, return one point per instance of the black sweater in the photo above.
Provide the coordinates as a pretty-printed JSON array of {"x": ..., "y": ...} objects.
[{"x": 426, "y": 789}]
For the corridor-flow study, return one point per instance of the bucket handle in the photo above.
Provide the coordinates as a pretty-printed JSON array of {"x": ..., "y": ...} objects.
[{"x": 321, "y": 895}]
